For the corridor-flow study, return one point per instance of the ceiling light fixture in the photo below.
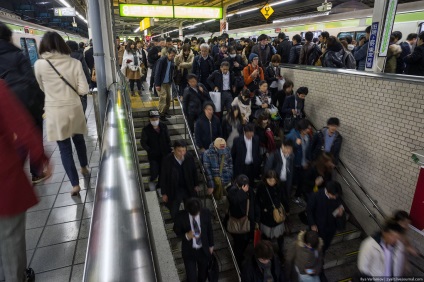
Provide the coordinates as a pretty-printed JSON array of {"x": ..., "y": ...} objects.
[
  {"x": 246, "y": 11},
  {"x": 66, "y": 4},
  {"x": 137, "y": 29},
  {"x": 280, "y": 2}
]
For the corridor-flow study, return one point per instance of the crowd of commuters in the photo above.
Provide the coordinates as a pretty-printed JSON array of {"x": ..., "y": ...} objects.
[{"x": 257, "y": 147}]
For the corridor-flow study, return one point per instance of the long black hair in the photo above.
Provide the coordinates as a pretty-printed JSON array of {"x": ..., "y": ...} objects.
[
  {"x": 230, "y": 115},
  {"x": 53, "y": 42}
]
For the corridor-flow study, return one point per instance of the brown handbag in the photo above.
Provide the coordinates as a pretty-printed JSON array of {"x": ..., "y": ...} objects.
[
  {"x": 239, "y": 225},
  {"x": 278, "y": 214}
]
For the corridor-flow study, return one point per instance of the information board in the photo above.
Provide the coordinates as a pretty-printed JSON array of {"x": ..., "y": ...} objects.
[
  {"x": 163, "y": 11},
  {"x": 64, "y": 12},
  {"x": 371, "y": 45}
]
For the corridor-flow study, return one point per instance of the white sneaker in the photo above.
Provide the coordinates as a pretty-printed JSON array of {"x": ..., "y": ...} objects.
[{"x": 152, "y": 186}]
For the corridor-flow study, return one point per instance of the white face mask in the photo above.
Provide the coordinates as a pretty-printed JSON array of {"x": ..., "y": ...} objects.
[
  {"x": 155, "y": 123},
  {"x": 233, "y": 55}
]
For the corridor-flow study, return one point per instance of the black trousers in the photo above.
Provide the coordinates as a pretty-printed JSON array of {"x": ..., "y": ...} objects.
[
  {"x": 241, "y": 241},
  {"x": 181, "y": 196},
  {"x": 327, "y": 236},
  {"x": 138, "y": 81},
  {"x": 196, "y": 266},
  {"x": 249, "y": 171},
  {"x": 191, "y": 119},
  {"x": 155, "y": 166},
  {"x": 298, "y": 175}
]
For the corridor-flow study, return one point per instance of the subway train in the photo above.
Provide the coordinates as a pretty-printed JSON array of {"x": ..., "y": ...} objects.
[
  {"x": 409, "y": 19},
  {"x": 28, "y": 35}
]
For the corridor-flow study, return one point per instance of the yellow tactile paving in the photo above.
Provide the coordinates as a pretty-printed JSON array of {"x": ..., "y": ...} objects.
[{"x": 137, "y": 103}]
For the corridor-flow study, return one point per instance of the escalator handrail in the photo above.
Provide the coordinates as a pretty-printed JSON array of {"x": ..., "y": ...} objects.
[{"x": 203, "y": 172}]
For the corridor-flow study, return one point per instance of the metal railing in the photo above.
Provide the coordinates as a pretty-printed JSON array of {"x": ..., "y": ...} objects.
[
  {"x": 119, "y": 244},
  {"x": 203, "y": 172}
]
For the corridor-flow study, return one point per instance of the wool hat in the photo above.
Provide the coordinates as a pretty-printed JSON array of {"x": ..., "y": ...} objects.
[
  {"x": 252, "y": 56},
  {"x": 220, "y": 143}
]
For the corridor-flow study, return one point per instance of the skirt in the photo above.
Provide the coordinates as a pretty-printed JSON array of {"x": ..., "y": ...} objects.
[
  {"x": 130, "y": 74},
  {"x": 273, "y": 232}
]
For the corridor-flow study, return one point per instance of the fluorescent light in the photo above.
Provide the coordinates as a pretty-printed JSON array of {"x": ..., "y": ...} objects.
[
  {"x": 66, "y": 4},
  {"x": 247, "y": 11},
  {"x": 301, "y": 17},
  {"x": 280, "y": 2},
  {"x": 230, "y": 15},
  {"x": 208, "y": 21},
  {"x": 137, "y": 29}
]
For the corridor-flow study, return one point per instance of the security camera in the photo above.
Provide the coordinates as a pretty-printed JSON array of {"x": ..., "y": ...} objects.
[{"x": 326, "y": 6}]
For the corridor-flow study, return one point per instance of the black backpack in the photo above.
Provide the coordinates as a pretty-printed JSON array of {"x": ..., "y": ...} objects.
[
  {"x": 348, "y": 60},
  {"x": 313, "y": 55}
]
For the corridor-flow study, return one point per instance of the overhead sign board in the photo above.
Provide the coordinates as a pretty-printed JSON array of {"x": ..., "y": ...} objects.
[
  {"x": 190, "y": 12},
  {"x": 64, "y": 12},
  {"x": 145, "y": 24},
  {"x": 388, "y": 26},
  {"x": 163, "y": 11},
  {"x": 135, "y": 10},
  {"x": 267, "y": 11}
]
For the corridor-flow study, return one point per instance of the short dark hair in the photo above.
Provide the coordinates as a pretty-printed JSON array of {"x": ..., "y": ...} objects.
[
  {"x": 186, "y": 47},
  {"x": 241, "y": 180},
  {"x": 287, "y": 83},
  {"x": 270, "y": 174},
  {"x": 208, "y": 103},
  {"x": 309, "y": 36},
  {"x": 325, "y": 34},
  {"x": 191, "y": 76},
  {"x": 368, "y": 29},
  {"x": 311, "y": 238},
  {"x": 392, "y": 225},
  {"x": 161, "y": 39},
  {"x": 168, "y": 39},
  {"x": 264, "y": 250},
  {"x": 193, "y": 206},
  {"x": 171, "y": 50},
  {"x": 421, "y": 35},
  {"x": 245, "y": 93},
  {"x": 397, "y": 34},
  {"x": 72, "y": 45},
  {"x": 302, "y": 90},
  {"x": 302, "y": 124},
  {"x": 333, "y": 121},
  {"x": 180, "y": 143},
  {"x": 281, "y": 35},
  {"x": 287, "y": 143},
  {"x": 276, "y": 58},
  {"x": 225, "y": 64},
  {"x": 411, "y": 36},
  {"x": 400, "y": 215},
  {"x": 348, "y": 39},
  {"x": 262, "y": 37},
  {"x": 53, "y": 42},
  {"x": 262, "y": 82},
  {"x": 297, "y": 38},
  {"x": 193, "y": 38},
  {"x": 249, "y": 127},
  {"x": 5, "y": 32},
  {"x": 334, "y": 188}
]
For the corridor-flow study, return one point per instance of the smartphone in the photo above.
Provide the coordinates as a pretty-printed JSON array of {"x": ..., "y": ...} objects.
[{"x": 309, "y": 271}]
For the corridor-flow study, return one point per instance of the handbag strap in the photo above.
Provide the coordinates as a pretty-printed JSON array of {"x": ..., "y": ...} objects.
[
  {"x": 221, "y": 165},
  {"x": 61, "y": 76},
  {"x": 247, "y": 208},
  {"x": 266, "y": 188}
]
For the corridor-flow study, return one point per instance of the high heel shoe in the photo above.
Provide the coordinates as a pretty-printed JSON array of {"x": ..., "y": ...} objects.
[{"x": 75, "y": 190}]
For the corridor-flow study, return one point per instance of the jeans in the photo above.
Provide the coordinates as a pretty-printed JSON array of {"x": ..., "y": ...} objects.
[
  {"x": 13, "y": 258},
  {"x": 65, "y": 148}
]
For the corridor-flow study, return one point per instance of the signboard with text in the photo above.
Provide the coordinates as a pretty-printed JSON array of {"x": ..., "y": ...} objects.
[
  {"x": 163, "y": 11},
  {"x": 64, "y": 12},
  {"x": 371, "y": 45}
]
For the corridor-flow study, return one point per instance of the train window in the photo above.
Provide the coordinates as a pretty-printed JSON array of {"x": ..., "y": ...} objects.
[
  {"x": 29, "y": 47},
  {"x": 359, "y": 34},
  {"x": 23, "y": 46},
  {"x": 421, "y": 27},
  {"x": 344, "y": 34}
]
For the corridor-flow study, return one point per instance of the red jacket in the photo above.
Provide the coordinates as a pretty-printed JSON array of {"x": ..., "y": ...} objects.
[{"x": 16, "y": 192}]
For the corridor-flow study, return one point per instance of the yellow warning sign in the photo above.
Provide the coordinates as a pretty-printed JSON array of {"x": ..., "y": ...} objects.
[{"x": 267, "y": 11}]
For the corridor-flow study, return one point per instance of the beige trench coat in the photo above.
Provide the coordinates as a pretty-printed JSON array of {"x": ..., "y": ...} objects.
[{"x": 63, "y": 108}]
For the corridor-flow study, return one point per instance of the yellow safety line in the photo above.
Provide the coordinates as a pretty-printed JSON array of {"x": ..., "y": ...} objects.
[
  {"x": 346, "y": 280},
  {"x": 347, "y": 232},
  {"x": 352, "y": 253}
]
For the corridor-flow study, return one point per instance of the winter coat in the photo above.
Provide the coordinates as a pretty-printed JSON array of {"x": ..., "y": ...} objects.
[
  {"x": 184, "y": 64},
  {"x": 333, "y": 57},
  {"x": 392, "y": 54},
  {"x": 216, "y": 80},
  {"x": 227, "y": 128},
  {"x": 405, "y": 48},
  {"x": 271, "y": 74},
  {"x": 266, "y": 206},
  {"x": 153, "y": 55},
  {"x": 80, "y": 57},
  {"x": 251, "y": 271},
  {"x": 247, "y": 71},
  {"x": 219, "y": 58},
  {"x": 121, "y": 50},
  {"x": 318, "y": 144},
  {"x": 298, "y": 149},
  {"x": 371, "y": 258},
  {"x": 170, "y": 175},
  {"x": 237, "y": 70},
  {"x": 131, "y": 69},
  {"x": 156, "y": 144},
  {"x": 239, "y": 152},
  {"x": 245, "y": 108},
  {"x": 212, "y": 163},
  {"x": 283, "y": 50},
  {"x": 193, "y": 101},
  {"x": 89, "y": 58},
  {"x": 264, "y": 54},
  {"x": 320, "y": 212},
  {"x": 360, "y": 54},
  {"x": 290, "y": 104},
  {"x": 63, "y": 108},
  {"x": 16, "y": 70},
  {"x": 295, "y": 54},
  {"x": 203, "y": 68},
  {"x": 415, "y": 62},
  {"x": 304, "y": 53},
  {"x": 303, "y": 258},
  {"x": 237, "y": 200},
  {"x": 160, "y": 70},
  {"x": 207, "y": 131},
  {"x": 17, "y": 193},
  {"x": 275, "y": 162}
]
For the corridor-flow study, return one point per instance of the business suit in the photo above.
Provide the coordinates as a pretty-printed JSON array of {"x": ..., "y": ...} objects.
[
  {"x": 238, "y": 154},
  {"x": 191, "y": 256},
  {"x": 216, "y": 80}
]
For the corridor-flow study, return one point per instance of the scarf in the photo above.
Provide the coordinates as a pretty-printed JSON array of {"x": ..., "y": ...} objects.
[
  {"x": 134, "y": 53},
  {"x": 266, "y": 270}
]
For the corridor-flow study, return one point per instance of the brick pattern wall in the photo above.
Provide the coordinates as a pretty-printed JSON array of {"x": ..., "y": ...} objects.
[{"x": 382, "y": 121}]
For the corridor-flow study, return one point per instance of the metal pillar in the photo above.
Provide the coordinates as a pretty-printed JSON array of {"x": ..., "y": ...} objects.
[
  {"x": 223, "y": 21},
  {"x": 180, "y": 30},
  {"x": 383, "y": 18},
  {"x": 99, "y": 18}
]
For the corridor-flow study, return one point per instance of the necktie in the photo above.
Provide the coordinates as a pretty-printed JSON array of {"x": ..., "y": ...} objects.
[{"x": 196, "y": 231}]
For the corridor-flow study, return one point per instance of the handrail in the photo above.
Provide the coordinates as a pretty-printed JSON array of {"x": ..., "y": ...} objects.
[
  {"x": 202, "y": 169},
  {"x": 119, "y": 246}
]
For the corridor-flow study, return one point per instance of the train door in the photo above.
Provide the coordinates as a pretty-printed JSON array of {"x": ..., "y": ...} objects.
[
  {"x": 420, "y": 28},
  {"x": 29, "y": 47}
]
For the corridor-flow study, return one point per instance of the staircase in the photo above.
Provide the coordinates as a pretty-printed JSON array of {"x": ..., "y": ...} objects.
[{"x": 176, "y": 128}]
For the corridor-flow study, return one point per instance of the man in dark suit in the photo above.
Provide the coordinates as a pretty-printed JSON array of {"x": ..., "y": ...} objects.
[
  {"x": 281, "y": 161},
  {"x": 222, "y": 80},
  {"x": 178, "y": 179},
  {"x": 294, "y": 105},
  {"x": 194, "y": 227},
  {"x": 245, "y": 154},
  {"x": 323, "y": 209}
]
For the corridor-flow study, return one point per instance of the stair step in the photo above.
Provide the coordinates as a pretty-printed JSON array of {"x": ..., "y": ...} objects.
[
  {"x": 143, "y": 121},
  {"x": 342, "y": 253},
  {"x": 144, "y": 112},
  {"x": 173, "y": 129},
  {"x": 342, "y": 273}
]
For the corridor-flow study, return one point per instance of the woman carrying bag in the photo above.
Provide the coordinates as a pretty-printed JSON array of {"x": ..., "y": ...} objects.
[
  {"x": 272, "y": 204},
  {"x": 132, "y": 67},
  {"x": 63, "y": 81}
]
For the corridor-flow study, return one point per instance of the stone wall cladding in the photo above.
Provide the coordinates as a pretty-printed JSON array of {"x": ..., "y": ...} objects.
[{"x": 382, "y": 121}]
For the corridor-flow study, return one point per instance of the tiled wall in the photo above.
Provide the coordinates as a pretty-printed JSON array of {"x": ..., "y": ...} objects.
[{"x": 382, "y": 121}]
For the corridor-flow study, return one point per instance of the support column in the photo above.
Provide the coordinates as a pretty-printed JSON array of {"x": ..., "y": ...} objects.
[
  {"x": 100, "y": 19},
  {"x": 180, "y": 31},
  {"x": 383, "y": 17}
]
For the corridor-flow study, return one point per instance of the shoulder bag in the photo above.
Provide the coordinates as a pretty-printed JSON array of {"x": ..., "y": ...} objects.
[
  {"x": 61, "y": 77},
  {"x": 239, "y": 225},
  {"x": 278, "y": 214}
]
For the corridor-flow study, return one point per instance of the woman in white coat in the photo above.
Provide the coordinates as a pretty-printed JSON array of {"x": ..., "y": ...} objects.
[
  {"x": 64, "y": 114},
  {"x": 131, "y": 66}
]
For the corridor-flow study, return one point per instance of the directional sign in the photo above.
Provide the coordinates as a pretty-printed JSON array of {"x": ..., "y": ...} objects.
[
  {"x": 64, "y": 12},
  {"x": 267, "y": 11}
]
